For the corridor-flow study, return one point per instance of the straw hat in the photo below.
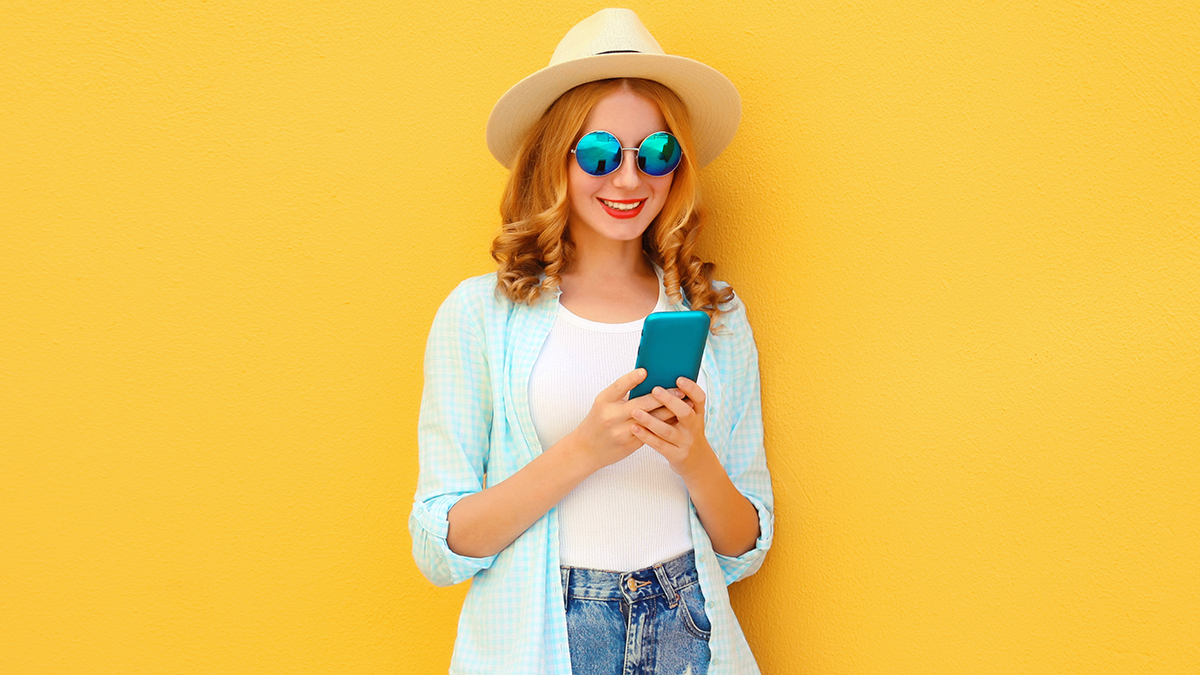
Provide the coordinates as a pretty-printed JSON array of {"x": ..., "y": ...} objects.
[{"x": 613, "y": 43}]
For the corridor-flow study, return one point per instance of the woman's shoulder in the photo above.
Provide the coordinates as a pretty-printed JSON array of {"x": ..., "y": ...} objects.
[
  {"x": 479, "y": 302},
  {"x": 476, "y": 287},
  {"x": 476, "y": 294},
  {"x": 470, "y": 303}
]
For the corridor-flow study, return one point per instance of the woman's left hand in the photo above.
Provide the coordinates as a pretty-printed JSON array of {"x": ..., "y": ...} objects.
[
  {"x": 681, "y": 441},
  {"x": 729, "y": 518}
]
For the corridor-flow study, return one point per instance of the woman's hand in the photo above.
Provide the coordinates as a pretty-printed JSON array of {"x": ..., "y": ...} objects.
[
  {"x": 484, "y": 523},
  {"x": 681, "y": 441},
  {"x": 605, "y": 436},
  {"x": 730, "y": 520}
]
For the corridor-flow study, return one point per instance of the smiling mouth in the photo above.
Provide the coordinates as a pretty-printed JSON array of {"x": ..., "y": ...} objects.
[{"x": 630, "y": 205}]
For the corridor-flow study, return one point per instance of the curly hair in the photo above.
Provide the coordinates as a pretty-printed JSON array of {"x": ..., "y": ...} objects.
[{"x": 534, "y": 240}]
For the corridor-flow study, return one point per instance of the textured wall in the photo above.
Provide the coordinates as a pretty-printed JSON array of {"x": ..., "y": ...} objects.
[{"x": 967, "y": 234}]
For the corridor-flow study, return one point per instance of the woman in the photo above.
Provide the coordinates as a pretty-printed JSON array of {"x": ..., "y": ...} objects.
[{"x": 599, "y": 532}]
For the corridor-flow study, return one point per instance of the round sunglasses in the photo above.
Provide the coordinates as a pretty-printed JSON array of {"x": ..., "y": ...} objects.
[{"x": 599, "y": 153}]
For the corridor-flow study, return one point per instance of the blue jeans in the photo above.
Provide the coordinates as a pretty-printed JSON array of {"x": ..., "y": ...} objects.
[{"x": 646, "y": 622}]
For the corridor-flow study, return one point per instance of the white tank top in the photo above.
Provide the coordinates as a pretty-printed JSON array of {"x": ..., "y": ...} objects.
[{"x": 628, "y": 515}]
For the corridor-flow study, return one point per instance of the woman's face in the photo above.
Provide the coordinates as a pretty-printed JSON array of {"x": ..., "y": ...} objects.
[{"x": 601, "y": 205}]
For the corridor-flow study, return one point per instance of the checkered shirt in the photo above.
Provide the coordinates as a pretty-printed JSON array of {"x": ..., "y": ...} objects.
[{"x": 475, "y": 425}]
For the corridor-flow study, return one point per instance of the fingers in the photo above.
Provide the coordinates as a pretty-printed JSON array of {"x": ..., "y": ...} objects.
[
  {"x": 617, "y": 390},
  {"x": 660, "y": 429},
  {"x": 648, "y": 402},
  {"x": 681, "y": 408},
  {"x": 693, "y": 391},
  {"x": 663, "y": 414}
]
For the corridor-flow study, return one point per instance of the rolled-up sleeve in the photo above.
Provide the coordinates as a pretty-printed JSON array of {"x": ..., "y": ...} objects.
[
  {"x": 743, "y": 454},
  {"x": 452, "y": 437}
]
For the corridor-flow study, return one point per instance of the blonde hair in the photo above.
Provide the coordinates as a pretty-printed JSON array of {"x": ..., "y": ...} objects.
[{"x": 534, "y": 239}]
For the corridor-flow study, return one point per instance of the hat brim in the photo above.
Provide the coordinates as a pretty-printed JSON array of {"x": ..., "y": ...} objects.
[{"x": 711, "y": 99}]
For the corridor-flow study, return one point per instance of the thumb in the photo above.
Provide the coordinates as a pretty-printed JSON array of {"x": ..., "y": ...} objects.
[{"x": 617, "y": 390}]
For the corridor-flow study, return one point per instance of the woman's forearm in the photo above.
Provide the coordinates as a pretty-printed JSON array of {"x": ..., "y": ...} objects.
[
  {"x": 485, "y": 523},
  {"x": 730, "y": 520}
]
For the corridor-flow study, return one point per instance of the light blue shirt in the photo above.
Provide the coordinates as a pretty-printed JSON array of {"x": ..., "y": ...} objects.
[{"x": 475, "y": 425}]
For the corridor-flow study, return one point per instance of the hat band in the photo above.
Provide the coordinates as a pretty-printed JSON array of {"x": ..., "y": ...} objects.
[{"x": 620, "y": 51}]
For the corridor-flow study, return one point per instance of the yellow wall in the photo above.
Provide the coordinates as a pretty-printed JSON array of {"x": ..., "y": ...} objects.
[{"x": 967, "y": 233}]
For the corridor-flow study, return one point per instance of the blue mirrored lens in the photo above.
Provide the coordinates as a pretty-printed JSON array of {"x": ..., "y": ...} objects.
[
  {"x": 659, "y": 154},
  {"x": 598, "y": 153}
]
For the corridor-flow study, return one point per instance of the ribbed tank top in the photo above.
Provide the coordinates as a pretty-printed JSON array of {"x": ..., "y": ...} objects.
[{"x": 628, "y": 515}]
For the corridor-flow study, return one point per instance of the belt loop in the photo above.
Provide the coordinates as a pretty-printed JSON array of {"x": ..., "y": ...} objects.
[
  {"x": 566, "y": 583},
  {"x": 668, "y": 586}
]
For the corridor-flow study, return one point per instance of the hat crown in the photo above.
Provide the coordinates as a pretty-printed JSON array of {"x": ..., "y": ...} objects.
[
  {"x": 605, "y": 32},
  {"x": 613, "y": 43}
]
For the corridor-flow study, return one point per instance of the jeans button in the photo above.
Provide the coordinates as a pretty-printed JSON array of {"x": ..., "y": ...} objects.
[{"x": 631, "y": 584}]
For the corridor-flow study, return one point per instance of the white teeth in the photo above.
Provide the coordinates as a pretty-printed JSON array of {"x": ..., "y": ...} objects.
[{"x": 621, "y": 207}]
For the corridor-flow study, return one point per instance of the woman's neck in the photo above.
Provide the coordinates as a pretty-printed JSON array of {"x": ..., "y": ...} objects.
[
  {"x": 600, "y": 260},
  {"x": 610, "y": 288}
]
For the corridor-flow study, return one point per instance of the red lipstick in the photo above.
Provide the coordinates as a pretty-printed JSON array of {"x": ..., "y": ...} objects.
[{"x": 623, "y": 214}]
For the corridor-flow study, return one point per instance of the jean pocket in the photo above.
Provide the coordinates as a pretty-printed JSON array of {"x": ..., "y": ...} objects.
[{"x": 691, "y": 612}]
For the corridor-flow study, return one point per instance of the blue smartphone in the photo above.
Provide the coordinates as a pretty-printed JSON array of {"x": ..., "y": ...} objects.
[{"x": 671, "y": 347}]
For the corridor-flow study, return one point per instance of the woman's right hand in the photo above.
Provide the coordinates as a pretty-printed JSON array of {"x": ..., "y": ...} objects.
[{"x": 605, "y": 436}]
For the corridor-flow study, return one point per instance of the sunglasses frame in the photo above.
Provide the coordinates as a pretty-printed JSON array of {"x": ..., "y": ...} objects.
[{"x": 621, "y": 153}]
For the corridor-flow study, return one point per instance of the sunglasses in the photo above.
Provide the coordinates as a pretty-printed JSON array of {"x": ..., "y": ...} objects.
[{"x": 599, "y": 153}]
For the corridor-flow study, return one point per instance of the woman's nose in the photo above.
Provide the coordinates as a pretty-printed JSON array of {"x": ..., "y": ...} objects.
[{"x": 627, "y": 176}]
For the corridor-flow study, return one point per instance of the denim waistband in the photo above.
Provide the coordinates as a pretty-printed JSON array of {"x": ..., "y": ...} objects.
[{"x": 665, "y": 578}]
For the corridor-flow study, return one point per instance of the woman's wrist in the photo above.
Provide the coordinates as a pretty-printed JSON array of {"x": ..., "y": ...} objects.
[
  {"x": 575, "y": 458},
  {"x": 700, "y": 466}
]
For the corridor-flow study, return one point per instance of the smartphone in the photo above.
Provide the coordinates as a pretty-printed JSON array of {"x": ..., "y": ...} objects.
[{"x": 671, "y": 347}]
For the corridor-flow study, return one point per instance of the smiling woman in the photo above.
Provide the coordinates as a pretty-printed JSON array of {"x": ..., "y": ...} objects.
[
  {"x": 617, "y": 522},
  {"x": 612, "y": 210},
  {"x": 536, "y": 244}
]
